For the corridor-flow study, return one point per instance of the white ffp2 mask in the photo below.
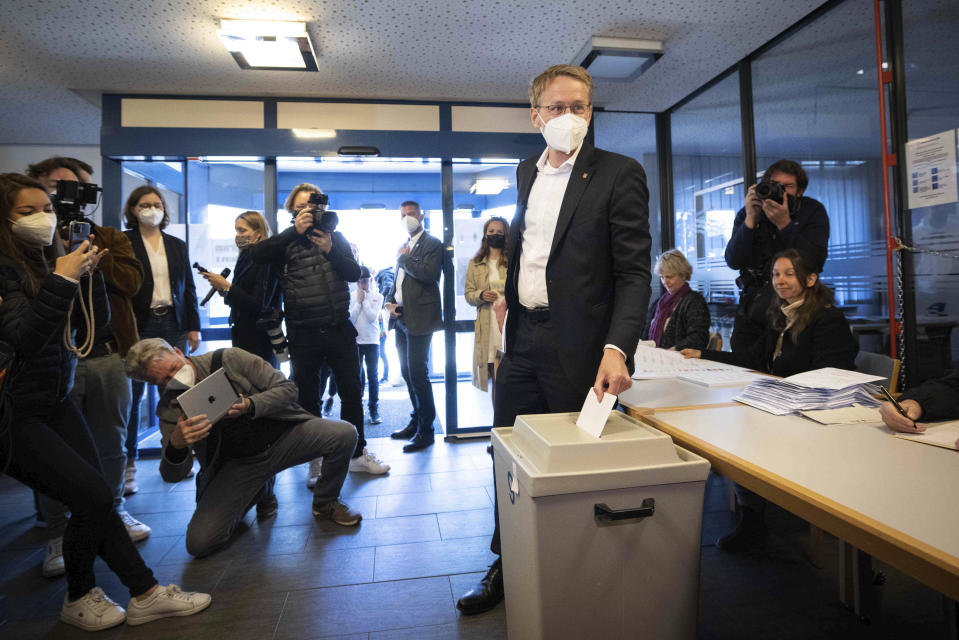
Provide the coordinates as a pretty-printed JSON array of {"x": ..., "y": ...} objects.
[
  {"x": 565, "y": 133},
  {"x": 36, "y": 229}
]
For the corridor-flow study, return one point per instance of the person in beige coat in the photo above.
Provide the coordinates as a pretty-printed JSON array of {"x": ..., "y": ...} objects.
[{"x": 485, "y": 280}]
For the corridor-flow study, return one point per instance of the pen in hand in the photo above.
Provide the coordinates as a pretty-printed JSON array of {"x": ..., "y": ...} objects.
[{"x": 898, "y": 406}]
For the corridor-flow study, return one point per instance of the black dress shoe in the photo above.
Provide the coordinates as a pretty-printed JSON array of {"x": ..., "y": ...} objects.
[
  {"x": 405, "y": 433},
  {"x": 487, "y": 594},
  {"x": 418, "y": 443}
]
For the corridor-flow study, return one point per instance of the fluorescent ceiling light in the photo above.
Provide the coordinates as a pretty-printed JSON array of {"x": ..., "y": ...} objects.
[
  {"x": 618, "y": 59},
  {"x": 268, "y": 45},
  {"x": 314, "y": 133},
  {"x": 489, "y": 186}
]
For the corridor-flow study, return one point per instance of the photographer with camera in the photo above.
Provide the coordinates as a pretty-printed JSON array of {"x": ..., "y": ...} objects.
[
  {"x": 776, "y": 216},
  {"x": 316, "y": 264},
  {"x": 101, "y": 390},
  {"x": 47, "y": 445}
]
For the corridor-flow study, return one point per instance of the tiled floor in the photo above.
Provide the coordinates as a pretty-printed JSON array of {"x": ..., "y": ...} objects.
[{"x": 423, "y": 542}]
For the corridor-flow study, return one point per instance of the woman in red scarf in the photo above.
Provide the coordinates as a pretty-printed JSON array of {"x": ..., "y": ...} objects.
[{"x": 679, "y": 319}]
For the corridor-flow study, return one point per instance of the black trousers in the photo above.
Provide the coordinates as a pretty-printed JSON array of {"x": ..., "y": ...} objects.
[
  {"x": 53, "y": 453},
  {"x": 414, "y": 352},
  {"x": 369, "y": 361},
  {"x": 531, "y": 380},
  {"x": 335, "y": 347}
]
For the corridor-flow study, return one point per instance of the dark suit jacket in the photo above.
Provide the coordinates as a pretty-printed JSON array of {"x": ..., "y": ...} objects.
[
  {"x": 421, "y": 290},
  {"x": 181, "y": 282},
  {"x": 598, "y": 272}
]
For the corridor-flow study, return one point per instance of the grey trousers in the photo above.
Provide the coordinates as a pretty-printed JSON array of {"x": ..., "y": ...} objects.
[
  {"x": 101, "y": 392},
  {"x": 231, "y": 492}
]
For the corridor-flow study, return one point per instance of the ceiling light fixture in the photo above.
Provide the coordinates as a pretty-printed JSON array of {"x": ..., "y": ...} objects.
[
  {"x": 618, "y": 59},
  {"x": 268, "y": 45},
  {"x": 489, "y": 186},
  {"x": 314, "y": 133}
]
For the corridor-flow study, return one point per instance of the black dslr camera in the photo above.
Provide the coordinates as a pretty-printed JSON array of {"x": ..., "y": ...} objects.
[
  {"x": 770, "y": 190},
  {"x": 68, "y": 201},
  {"x": 324, "y": 221}
]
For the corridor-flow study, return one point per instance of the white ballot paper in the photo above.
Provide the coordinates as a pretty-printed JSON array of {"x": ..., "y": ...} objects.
[
  {"x": 830, "y": 378},
  {"x": 592, "y": 417}
]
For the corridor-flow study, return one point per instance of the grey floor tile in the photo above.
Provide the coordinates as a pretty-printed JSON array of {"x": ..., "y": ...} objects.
[
  {"x": 143, "y": 503},
  {"x": 365, "y": 608},
  {"x": 169, "y": 523},
  {"x": 428, "y": 462},
  {"x": 252, "y": 541},
  {"x": 488, "y": 626},
  {"x": 319, "y": 568},
  {"x": 439, "y": 558},
  {"x": 374, "y": 532},
  {"x": 466, "y": 524},
  {"x": 363, "y": 484},
  {"x": 447, "y": 480},
  {"x": 407, "y": 504}
]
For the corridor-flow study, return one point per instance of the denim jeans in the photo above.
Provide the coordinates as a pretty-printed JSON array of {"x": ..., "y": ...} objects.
[
  {"x": 369, "y": 356},
  {"x": 414, "y": 352}
]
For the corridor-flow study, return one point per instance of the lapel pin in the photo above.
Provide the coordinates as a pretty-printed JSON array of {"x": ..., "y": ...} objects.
[{"x": 584, "y": 175}]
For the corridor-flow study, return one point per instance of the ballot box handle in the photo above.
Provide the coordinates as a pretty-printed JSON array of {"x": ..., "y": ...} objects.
[{"x": 603, "y": 513}]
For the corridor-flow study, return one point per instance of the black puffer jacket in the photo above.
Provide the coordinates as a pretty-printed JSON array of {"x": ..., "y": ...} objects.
[
  {"x": 33, "y": 325},
  {"x": 315, "y": 290}
]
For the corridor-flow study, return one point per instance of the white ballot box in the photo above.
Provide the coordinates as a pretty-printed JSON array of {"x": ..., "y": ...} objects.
[{"x": 600, "y": 536}]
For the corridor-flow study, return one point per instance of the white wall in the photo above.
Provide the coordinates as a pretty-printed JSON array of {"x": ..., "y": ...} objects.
[{"x": 14, "y": 158}]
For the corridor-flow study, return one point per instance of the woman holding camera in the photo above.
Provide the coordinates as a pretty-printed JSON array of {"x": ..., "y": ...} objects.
[
  {"x": 254, "y": 293},
  {"x": 166, "y": 306},
  {"x": 485, "y": 282},
  {"x": 45, "y": 442}
]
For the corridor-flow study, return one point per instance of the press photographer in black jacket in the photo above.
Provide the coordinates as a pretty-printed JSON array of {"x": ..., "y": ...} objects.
[
  {"x": 764, "y": 227},
  {"x": 316, "y": 265}
]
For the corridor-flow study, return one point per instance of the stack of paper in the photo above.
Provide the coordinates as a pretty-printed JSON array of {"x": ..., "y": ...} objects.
[
  {"x": 794, "y": 394},
  {"x": 652, "y": 363}
]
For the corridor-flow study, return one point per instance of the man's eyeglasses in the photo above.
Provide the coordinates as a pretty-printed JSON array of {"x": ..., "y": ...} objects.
[{"x": 577, "y": 109}]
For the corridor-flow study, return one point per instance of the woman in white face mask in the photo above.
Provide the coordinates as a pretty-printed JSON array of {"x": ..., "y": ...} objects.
[
  {"x": 44, "y": 441},
  {"x": 254, "y": 293},
  {"x": 166, "y": 305}
]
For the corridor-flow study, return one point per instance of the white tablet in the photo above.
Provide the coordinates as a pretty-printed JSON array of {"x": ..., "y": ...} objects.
[{"x": 212, "y": 396}]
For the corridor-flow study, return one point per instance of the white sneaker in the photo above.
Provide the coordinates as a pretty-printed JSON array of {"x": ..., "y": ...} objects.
[
  {"x": 367, "y": 463},
  {"x": 93, "y": 612},
  {"x": 166, "y": 602},
  {"x": 53, "y": 562},
  {"x": 137, "y": 530},
  {"x": 315, "y": 466}
]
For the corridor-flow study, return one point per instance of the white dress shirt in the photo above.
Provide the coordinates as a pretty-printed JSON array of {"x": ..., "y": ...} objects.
[
  {"x": 162, "y": 295},
  {"x": 542, "y": 211},
  {"x": 401, "y": 272}
]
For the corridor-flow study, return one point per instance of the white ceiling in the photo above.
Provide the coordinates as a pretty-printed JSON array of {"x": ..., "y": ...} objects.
[{"x": 57, "y": 57}]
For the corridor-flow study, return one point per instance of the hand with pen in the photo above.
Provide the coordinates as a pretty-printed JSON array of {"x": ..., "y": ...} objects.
[{"x": 904, "y": 420}]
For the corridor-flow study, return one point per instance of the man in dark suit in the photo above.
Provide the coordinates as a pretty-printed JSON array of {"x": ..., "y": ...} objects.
[
  {"x": 577, "y": 287},
  {"x": 414, "y": 306}
]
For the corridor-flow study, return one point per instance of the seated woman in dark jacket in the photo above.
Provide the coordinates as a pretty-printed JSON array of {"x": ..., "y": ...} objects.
[
  {"x": 678, "y": 319},
  {"x": 45, "y": 440},
  {"x": 805, "y": 332}
]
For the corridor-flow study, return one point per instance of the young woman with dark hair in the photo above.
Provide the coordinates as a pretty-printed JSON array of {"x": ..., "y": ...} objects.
[
  {"x": 805, "y": 332},
  {"x": 46, "y": 444},
  {"x": 485, "y": 280}
]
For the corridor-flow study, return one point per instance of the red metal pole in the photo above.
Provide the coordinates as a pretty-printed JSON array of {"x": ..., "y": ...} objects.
[{"x": 888, "y": 160}]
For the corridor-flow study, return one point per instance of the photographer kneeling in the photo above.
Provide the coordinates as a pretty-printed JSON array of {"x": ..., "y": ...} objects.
[
  {"x": 776, "y": 216},
  {"x": 264, "y": 433}
]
